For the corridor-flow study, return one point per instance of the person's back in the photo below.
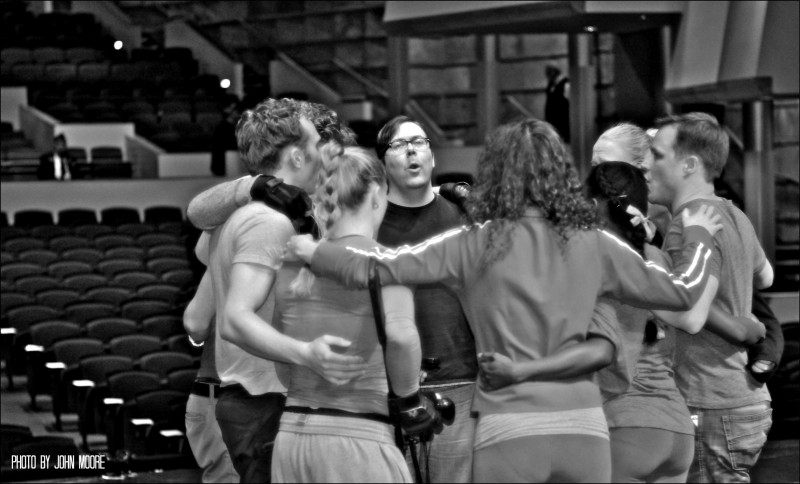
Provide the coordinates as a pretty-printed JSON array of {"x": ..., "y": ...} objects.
[
  {"x": 330, "y": 308},
  {"x": 711, "y": 372},
  {"x": 528, "y": 311}
]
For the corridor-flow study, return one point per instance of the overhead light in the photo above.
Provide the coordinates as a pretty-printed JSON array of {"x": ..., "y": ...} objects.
[
  {"x": 590, "y": 28},
  {"x": 225, "y": 83},
  {"x": 118, "y": 45}
]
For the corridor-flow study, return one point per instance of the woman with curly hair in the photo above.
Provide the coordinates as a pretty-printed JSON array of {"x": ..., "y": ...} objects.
[{"x": 528, "y": 275}]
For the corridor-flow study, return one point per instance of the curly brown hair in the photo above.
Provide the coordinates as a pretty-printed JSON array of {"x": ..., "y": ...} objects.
[{"x": 525, "y": 164}]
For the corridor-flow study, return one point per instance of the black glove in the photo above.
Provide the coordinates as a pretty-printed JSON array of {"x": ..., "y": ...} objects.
[
  {"x": 418, "y": 416},
  {"x": 770, "y": 348},
  {"x": 456, "y": 193},
  {"x": 291, "y": 201}
]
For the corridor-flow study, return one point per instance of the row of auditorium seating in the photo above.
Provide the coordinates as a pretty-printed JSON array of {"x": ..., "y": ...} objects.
[
  {"x": 153, "y": 89},
  {"x": 24, "y": 29},
  {"x": 113, "y": 350},
  {"x": 77, "y": 55},
  {"x": 12, "y": 56},
  {"x": 156, "y": 215},
  {"x": 62, "y": 73}
]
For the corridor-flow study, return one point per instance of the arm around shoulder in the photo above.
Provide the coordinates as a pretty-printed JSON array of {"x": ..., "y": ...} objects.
[{"x": 212, "y": 207}]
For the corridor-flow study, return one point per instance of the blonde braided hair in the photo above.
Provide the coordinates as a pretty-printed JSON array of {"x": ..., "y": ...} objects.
[{"x": 343, "y": 184}]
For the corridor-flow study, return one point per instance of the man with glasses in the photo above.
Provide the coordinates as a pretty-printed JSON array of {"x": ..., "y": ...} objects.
[{"x": 414, "y": 214}]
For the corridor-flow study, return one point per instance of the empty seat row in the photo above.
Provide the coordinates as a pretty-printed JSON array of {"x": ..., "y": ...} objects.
[
  {"x": 104, "y": 261},
  {"x": 109, "y": 216},
  {"x": 50, "y": 54}
]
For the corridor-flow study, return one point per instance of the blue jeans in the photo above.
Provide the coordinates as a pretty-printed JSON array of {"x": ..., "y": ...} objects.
[
  {"x": 450, "y": 456},
  {"x": 249, "y": 424},
  {"x": 728, "y": 442},
  {"x": 205, "y": 439}
]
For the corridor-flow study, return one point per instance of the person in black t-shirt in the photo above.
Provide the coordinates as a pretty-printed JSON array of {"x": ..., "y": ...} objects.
[{"x": 415, "y": 213}]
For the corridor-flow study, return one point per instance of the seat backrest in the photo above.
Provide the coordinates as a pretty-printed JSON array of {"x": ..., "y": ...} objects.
[
  {"x": 106, "y": 329},
  {"x": 47, "y": 333},
  {"x": 138, "y": 310},
  {"x": 38, "y": 256},
  {"x": 163, "y": 326},
  {"x": 110, "y": 295},
  {"x": 127, "y": 384},
  {"x": 70, "y": 351},
  {"x": 66, "y": 242},
  {"x": 15, "y": 270},
  {"x": 163, "y": 264},
  {"x": 10, "y": 300},
  {"x": 179, "y": 277},
  {"x": 159, "y": 214},
  {"x": 71, "y": 217},
  {"x": 67, "y": 268},
  {"x": 166, "y": 250},
  {"x": 96, "y": 368},
  {"x": 181, "y": 379},
  {"x": 34, "y": 284},
  {"x": 105, "y": 242},
  {"x": 83, "y": 312},
  {"x": 84, "y": 282},
  {"x": 22, "y": 242},
  {"x": 163, "y": 362},
  {"x": 164, "y": 292},
  {"x": 150, "y": 240},
  {"x": 119, "y": 216},
  {"x": 94, "y": 230},
  {"x": 48, "y": 232},
  {"x": 57, "y": 298},
  {"x": 111, "y": 267},
  {"x": 22, "y": 317},
  {"x": 123, "y": 252},
  {"x": 135, "y": 230},
  {"x": 90, "y": 255},
  {"x": 134, "y": 345},
  {"x": 108, "y": 152},
  {"x": 32, "y": 218}
]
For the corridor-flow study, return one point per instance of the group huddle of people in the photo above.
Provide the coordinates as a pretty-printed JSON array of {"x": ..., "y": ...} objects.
[{"x": 347, "y": 301}]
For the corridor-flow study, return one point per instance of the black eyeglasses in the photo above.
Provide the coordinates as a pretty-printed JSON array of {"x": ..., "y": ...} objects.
[{"x": 400, "y": 145}]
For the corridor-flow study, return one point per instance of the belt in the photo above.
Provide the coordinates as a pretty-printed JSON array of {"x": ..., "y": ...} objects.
[
  {"x": 335, "y": 412},
  {"x": 205, "y": 388}
]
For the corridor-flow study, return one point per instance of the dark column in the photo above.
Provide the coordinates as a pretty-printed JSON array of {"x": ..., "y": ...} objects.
[
  {"x": 486, "y": 85},
  {"x": 582, "y": 101},
  {"x": 397, "y": 58},
  {"x": 759, "y": 172}
]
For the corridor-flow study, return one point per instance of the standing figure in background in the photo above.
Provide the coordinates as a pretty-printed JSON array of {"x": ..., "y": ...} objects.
[
  {"x": 224, "y": 137},
  {"x": 556, "y": 108},
  {"x": 56, "y": 165}
]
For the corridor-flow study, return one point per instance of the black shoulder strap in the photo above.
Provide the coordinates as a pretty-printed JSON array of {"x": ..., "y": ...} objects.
[
  {"x": 377, "y": 306},
  {"x": 380, "y": 328}
]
